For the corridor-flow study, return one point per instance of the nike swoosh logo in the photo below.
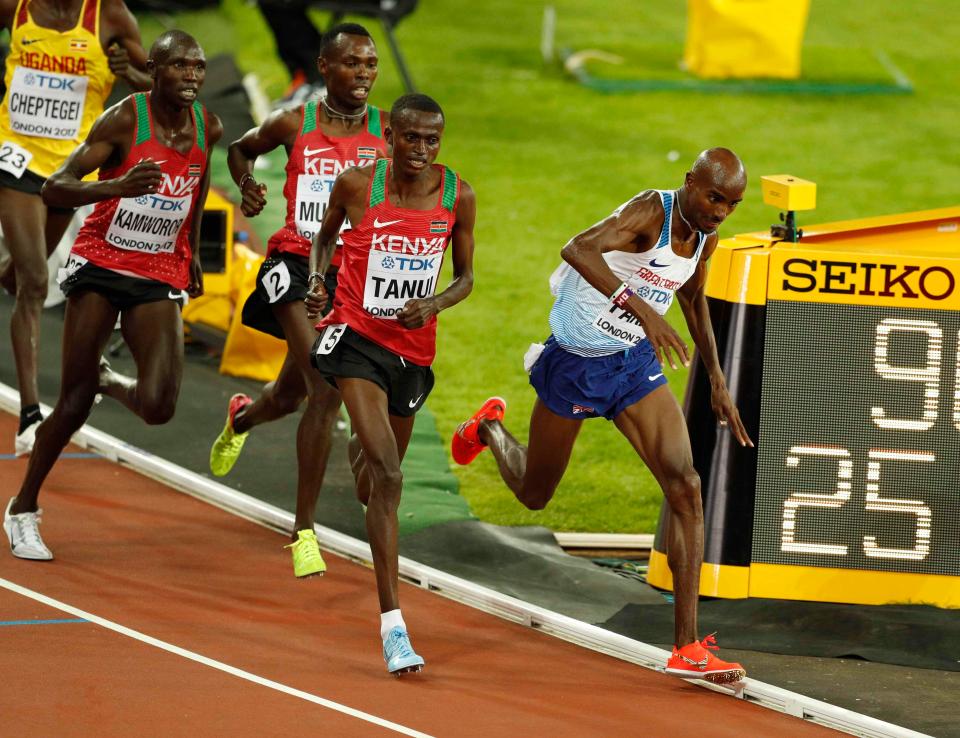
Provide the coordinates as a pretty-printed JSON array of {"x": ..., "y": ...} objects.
[
  {"x": 314, "y": 152},
  {"x": 702, "y": 663},
  {"x": 384, "y": 224},
  {"x": 413, "y": 403},
  {"x": 28, "y": 41},
  {"x": 653, "y": 263},
  {"x": 175, "y": 294},
  {"x": 655, "y": 376}
]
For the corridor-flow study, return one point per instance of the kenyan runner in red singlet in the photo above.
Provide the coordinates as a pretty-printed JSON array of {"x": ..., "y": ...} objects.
[
  {"x": 322, "y": 138},
  {"x": 132, "y": 259},
  {"x": 378, "y": 342}
]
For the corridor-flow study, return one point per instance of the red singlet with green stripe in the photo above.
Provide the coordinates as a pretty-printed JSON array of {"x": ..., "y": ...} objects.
[
  {"x": 149, "y": 236},
  {"x": 391, "y": 256},
  {"x": 313, "y": 165}
]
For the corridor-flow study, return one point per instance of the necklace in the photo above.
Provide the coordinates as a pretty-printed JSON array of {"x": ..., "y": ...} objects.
[
  {"x": 343, "y": 116},
  {"x": 680, "y": 212}
]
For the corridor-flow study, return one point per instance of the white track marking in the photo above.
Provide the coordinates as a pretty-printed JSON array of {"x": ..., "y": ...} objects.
[{"x": 213, "y": 663}]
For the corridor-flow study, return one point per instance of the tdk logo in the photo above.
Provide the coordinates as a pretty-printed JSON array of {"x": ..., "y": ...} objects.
[{"x": 49, "y": 81}]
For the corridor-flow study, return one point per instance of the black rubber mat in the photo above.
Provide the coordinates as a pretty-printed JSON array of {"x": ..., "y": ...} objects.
[{"x": 908, "y": 635}]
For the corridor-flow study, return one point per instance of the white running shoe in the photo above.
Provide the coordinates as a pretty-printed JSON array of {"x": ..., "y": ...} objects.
[
  {"x": 23, "y": 532},
  {"x": 23, "y": 442}
]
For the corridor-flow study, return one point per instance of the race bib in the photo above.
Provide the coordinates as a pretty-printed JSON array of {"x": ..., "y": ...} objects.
[
  {"x": 14, "y": 158},
  {"x": 619, "y": 324},
  {"x": 313, "y": 197},
  {"x": 46, "y": 104},
  {"x": 149, "y": 224},
  {"x": 329, "y": 338},
  {"x": 276, "y": 282},
  {"x": 393, "y": 279},
  {"x": 72, "y": 266}
]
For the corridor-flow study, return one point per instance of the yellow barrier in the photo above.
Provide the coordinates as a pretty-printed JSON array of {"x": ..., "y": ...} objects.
[{"x": 744, "y": 39}]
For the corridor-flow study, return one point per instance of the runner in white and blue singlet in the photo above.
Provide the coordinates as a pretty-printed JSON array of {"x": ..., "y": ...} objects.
[{"x": 604, "y": 360}]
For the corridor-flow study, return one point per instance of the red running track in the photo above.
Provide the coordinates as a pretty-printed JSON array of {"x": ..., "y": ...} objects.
[{"x": 134, "y": 552}]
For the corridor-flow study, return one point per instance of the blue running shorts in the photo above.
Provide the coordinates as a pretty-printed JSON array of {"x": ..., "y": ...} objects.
[{"x": 579, "y": 387}]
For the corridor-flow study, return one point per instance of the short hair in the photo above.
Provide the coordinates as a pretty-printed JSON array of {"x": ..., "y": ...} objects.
[
  {"x": 167, "y": 40},
  {"x": 418, "y": 102},
  {"x": 329, "y": 38}
]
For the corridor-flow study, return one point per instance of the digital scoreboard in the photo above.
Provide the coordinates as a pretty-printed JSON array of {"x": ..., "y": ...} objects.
[{"x": 842, "y": 352}]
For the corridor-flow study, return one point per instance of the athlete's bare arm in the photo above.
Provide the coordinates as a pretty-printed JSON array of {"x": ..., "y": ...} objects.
[
  {"x": 120, "y": 36},
  {"x": 106, "y": 146},
  {"x": 348, "y": 198},
  {"x": 635, "y": 227},
  {"x": 693, "y": 301},
  {"x": 415, "y": 313},
  {"x": 279, "y": 129},
  {"x": 195, "y": 286}
]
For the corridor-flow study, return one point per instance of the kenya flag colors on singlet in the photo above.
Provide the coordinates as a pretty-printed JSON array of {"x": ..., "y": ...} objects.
[
  {"x": 391, "y": 256},
  {"x": 149, "y": 235},
  {"x": 315, "y": 161}
]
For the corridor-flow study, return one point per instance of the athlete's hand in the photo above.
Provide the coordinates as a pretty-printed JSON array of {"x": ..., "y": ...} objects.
[
  {"x": 728, "y": 416},
  {"x": 254, "y": 197},
  {"x": 664, "y": 339},
  {"x": 195, "y": 286},
  {"x": 143, "y": 178},
  {"x": 119, "y": 60},
  {"x": 316, "y": 300},
  {"x": 416, "y": 313}
]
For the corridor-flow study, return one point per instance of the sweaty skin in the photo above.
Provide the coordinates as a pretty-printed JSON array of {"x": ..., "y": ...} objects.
[
  {"x": 349, "y": 69},
  {"x": 152, "y": 330},
  {"x": 655, "y": 425},
  {"x": 381, "y": 439}
]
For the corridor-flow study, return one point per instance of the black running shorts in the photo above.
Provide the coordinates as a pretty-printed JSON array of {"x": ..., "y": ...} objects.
[
  {"x": 282, "y": 278},
  {"x": 120, "y": 290},
  {"x": 340, "y": 351}
]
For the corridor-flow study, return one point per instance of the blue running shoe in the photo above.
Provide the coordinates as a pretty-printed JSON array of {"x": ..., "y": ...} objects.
[{"x": 399, "y": 654}]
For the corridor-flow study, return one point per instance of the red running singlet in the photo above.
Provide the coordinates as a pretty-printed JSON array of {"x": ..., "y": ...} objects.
[
  {"x": 313, "y": 165},
  {"x": 149, "y": 236},
  {"x": 391, "y": 256}
]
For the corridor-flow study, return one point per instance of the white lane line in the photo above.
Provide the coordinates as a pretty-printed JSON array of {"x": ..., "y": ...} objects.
[{"x": 219, "y": 665}]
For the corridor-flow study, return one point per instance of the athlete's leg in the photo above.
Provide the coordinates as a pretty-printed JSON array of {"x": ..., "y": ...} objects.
[
  {"x": 361, "y": 475},
  {"x": 380, "y": 436},
  {"x": 279, "y": 398},
  {"x": 22, "y": 217},
  {"x": 533, "y": 472},
  {"x": 315, "y": 431},
  {"x": 87, "y": 327},
  {"x": 656, "y": 428},
  {"x": 154, "y": 333}
]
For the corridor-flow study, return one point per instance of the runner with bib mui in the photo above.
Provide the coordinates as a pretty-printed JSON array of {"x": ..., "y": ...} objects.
[
  {"x": 604, "y": 360},
  {"x": 322, "y": 139},
  {"x": 64, "y": 57},
  {"x": 377, "y": 344},
  {"x": 136, "y": 257}
]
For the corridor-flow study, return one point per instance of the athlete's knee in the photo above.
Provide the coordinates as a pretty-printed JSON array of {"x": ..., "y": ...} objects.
[
  {"x": 32, "y": 284},
  {"x": 536, "y": 495},
  {"x": 386, "y": 480},
  {"x": 682, "y": 490},
  {"x": 157, "y": 405}
]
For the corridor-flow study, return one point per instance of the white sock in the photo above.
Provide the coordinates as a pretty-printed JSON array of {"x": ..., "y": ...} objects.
[{"x": 389, "y": 621}]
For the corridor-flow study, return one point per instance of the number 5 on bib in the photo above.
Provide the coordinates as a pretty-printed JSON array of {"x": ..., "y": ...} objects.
[{"x": 329, "y": 338}]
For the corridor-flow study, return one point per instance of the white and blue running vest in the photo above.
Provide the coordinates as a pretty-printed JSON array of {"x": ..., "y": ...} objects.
[{"x": 586, "y": 323}]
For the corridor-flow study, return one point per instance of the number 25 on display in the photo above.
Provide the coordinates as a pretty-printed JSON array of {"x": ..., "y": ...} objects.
[{"x": 929, "y": 377}]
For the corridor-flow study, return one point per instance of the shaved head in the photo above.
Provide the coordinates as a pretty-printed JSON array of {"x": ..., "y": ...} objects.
[
  {"x": 712, "y": 189},
  {"x": 169, "y": 42},
  {"x": 719, "y": 166}
]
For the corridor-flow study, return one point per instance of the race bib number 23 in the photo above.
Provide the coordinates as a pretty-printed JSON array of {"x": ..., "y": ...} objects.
[{"x": 14, "y": 158}]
